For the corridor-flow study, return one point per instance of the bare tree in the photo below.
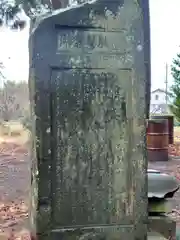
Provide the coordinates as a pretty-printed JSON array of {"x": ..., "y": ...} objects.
[
  {"x": 1, "y": 71},
  {"x": 14, "y": 101}
]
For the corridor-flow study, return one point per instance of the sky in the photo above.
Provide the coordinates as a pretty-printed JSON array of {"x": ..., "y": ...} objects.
[{"x": 165, "y": 42}]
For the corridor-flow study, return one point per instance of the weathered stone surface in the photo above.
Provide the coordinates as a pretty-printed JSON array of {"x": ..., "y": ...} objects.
[{"x": 89, "y": 81}]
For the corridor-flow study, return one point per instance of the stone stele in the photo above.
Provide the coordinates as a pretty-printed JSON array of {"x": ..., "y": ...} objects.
[{"x": 89, "y": 85}]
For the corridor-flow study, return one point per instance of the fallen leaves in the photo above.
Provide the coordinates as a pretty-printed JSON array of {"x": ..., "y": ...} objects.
[
  {"x": 23, "y": 235},
  {"x": 12, "y": 215},
  {"x": 174, "y": 149}
]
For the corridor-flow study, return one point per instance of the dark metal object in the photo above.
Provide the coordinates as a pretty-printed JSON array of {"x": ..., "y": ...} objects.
[
  {"x": 88, "y": 88},
  {"x": 170, "y": 119},
  {"x": 161, "y": 185},
  {"x": 157, "y": 140}
]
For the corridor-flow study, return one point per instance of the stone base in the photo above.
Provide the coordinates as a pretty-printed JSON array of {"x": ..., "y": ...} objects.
[{"x": 161, "y": 226}]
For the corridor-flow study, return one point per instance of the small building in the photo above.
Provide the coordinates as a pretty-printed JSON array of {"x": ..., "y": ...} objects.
[{"x": 159, "y": 101}]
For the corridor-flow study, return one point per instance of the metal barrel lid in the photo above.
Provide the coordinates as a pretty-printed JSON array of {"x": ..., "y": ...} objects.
[{"x": 161, "y": 185}]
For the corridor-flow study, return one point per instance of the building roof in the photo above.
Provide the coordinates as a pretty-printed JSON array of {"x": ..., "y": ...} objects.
[{"x": 160, "y": 90}]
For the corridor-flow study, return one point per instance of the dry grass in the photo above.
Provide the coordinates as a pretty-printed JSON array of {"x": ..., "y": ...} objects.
[
  {"x": 176, "y": 134},
  {"x": 13, "y": 132}
]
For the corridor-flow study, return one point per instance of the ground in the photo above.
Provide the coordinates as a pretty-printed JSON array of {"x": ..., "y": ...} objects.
[
  {"x": 15, "y": 179},
  {"x": 14, "y": 184}
]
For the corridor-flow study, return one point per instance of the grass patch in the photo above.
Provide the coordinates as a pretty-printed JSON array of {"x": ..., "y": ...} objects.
[
  {"x": 13, "y": 132},
  {"x": 176, "y": 134}
]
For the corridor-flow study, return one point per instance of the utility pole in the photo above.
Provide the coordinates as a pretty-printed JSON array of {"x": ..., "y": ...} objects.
[{"x": 166, "y": 82}]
